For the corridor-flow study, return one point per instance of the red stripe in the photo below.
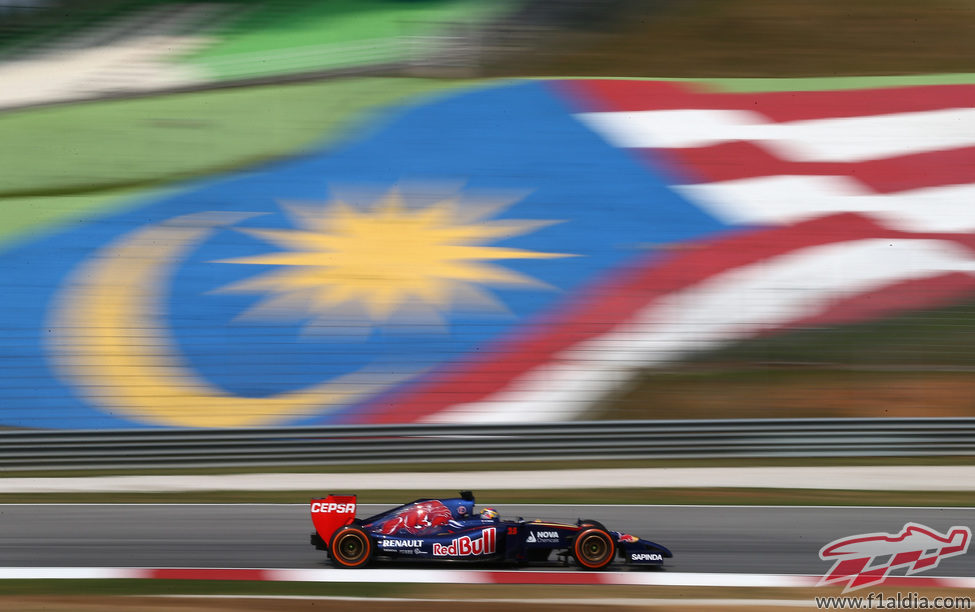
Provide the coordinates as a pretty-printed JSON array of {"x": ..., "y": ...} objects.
[
  {"x": 601, "y": 308},
  {"x": 624, "y": 95},
  {"x": 740, "y": 160},
  {"x": 208, "y": 574}
]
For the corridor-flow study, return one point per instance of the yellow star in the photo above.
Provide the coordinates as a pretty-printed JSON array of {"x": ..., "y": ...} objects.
[{"x": 387, "y": 261}]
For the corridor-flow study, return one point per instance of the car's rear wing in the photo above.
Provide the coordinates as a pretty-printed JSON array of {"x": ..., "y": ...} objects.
[{"x": 332, "y": 513}]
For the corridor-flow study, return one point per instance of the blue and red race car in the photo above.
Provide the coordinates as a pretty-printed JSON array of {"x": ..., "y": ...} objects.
[{"x": 450, "y": 530}]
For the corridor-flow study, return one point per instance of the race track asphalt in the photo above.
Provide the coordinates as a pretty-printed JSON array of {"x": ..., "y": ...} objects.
[{"x": 776, "y": 540}]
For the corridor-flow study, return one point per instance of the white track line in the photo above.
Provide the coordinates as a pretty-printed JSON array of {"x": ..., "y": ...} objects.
[{"x": 867, "y": 478}]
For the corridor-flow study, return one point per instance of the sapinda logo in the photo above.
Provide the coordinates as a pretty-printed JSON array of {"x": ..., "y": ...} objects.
[
  {"x": 465, "y": 546},
  {"x": 866, "y": 559},
  {"x": 332, "y": 508}
]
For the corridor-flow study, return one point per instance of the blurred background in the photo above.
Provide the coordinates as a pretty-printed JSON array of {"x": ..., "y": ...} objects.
[{"x": 255, "y": 213}]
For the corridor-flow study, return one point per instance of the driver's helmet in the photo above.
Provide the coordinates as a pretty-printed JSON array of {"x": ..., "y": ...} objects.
[{"x": 490, "y": 514}]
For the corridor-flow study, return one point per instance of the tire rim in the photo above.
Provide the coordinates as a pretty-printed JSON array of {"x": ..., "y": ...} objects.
[
  {"x": 351, "y": 548},
  {"x": 594, "y": 548}
]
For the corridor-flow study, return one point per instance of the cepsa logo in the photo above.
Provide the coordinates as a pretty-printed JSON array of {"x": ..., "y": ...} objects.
[
  {"x": 332, "y": 508},
  {"x": 866, "y": 559},
  {"x": 464, "y": 546}
]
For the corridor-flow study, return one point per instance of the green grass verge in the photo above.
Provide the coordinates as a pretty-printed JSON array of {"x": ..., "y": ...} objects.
[
  {"x": 200, "y": 587},
  {"x": 634, "y": 495},
  {"x": 947, "y": 335},
  {"x": 313, "y": 35},
  {"x": 92, "y": 147},
  {"x": 735, "y": 390},
  {"x": 917, "y": 364}
]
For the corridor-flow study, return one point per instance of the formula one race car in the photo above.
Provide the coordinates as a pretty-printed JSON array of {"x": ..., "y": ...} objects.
[{"x": 451, "y": 530}]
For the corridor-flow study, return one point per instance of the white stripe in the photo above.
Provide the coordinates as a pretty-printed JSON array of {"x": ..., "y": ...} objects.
[
  {"x": 412, "y": 576},
  {"x": 789, "y": 199},
  {"x": 773, "y": 292},
  {"x": 879, "y": 478},
  {"x": 467, "y": 577},
  {"x": 668, "y": 129},
  {"x": 847, "y": 139},
  {"x": 68, "y": 573},
  {"x": 732, "y": 305},
  {"x": 863, "y": 138},
  {"x": 713, "y": 580}
]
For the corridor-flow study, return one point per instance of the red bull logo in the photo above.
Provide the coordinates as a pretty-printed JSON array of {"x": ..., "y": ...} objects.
[
  {"x": 416, "y": 518},
  {"x": 866, "y": 559},
  {"x": 465, "y": 546}
]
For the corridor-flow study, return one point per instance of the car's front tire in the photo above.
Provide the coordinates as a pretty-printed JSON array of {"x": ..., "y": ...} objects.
[
  {"x": 351, "y": 547},
  {"x": 593, "y": 548}
]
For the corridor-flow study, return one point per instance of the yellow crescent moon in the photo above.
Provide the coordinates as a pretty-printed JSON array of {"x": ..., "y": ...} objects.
[{"x": 109, "y": 340}]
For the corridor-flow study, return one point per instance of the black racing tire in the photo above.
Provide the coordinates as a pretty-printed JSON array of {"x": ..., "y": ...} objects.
[
  {"x": 593, "y": 548},
  {"x": 351, "y": 547}
]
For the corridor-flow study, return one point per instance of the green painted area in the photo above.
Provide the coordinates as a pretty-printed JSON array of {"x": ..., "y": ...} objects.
[
  {"x": 837, "y": 83},
  {"x": 86, "y": 147},
  {"x": 296, "y": 36},
  {"x": 63, "y": 163}
]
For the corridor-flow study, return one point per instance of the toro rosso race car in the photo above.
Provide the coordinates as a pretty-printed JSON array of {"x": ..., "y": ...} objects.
[{"x": 451, "y": 530}]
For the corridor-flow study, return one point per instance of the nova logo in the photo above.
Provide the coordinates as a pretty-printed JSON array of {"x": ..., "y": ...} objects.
[
  {"x": 330, "y": 508},
  {"x": 867, "y": 559},
  {"x": 401, "y": 543},
  {"x": 464, "y": 546},
  {"x": 542, "y": 536}
]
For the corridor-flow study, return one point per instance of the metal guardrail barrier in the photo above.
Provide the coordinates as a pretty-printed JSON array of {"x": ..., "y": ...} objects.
[{"x": 92, "y": 449}]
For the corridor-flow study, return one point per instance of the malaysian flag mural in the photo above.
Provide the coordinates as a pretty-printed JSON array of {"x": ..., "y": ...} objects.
[{"x": 510, "y": 253}]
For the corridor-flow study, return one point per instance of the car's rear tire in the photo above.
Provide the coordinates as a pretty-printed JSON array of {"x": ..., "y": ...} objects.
[
  {"x": 351, "y": 547},
  {"x": 593, "y": 548}
]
